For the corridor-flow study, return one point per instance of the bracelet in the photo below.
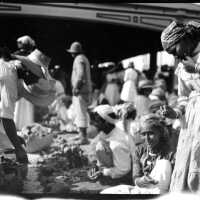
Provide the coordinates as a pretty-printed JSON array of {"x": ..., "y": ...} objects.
[{"x": 197, "y": 67}]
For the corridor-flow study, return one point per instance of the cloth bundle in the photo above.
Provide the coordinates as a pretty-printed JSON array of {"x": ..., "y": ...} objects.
[
  {"x": 37, "y": 137},
  {"x": 43, "y": 92}
]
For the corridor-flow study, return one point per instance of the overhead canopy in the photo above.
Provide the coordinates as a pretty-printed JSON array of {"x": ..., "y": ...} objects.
[{"x": 108, "y": 31}]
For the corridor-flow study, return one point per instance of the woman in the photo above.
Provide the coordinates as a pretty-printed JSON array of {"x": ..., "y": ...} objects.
[
  {"x": 142, "y": 99},
  {"x": 152, "y": 161},
  {"x": 112, "y": 89},
  {"x": 183, "y": 41},
  {"x": 24, "y": 109},
  {"x": 129, "y": 89}
]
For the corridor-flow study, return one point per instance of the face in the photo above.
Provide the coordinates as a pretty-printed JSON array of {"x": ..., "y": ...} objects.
[
  {"x": 151, "y": 138},
  {"x": 19, "y": 45},
  {"x": 184, "y": 48}
]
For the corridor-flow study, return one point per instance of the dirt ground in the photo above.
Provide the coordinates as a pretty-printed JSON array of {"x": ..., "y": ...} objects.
[{"x": 77, "y": 181}]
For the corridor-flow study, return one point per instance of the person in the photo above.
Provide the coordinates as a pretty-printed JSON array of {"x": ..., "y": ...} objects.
[
  {"x": 126, "y": 114},
  {"x": 9, "y": 96},
  {"x": 160, "y": 83},
  {"x": 158, "y": 94},
  {"x": 81, "y": 89},
  {"x": 142, "y": 99},
  {"x": 112, "y": 87},
  {"x": 59, "y": 75},
  {"x": 113, "y": 150},
  {"x": 24, "y": 110},
  {"x": 183, "y": 41},
  {"x": 98, "y": 97},
  {"x": 152, "y": 161},
  {"x": 129, "y": 89},
  {"x": 56, "y": 74}
]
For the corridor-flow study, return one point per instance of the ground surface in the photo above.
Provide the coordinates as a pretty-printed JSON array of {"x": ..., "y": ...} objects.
[{"x": 40, "y": 179}]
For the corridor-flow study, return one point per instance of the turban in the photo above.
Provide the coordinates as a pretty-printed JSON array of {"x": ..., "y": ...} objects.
[
  {"x": 145, "y": 84},
  {"x": 172, "y": 34},
  {"x": 158, "y": 92},
  {"x": 152, "y": 123},
  {"x": 103, "y": 111}
]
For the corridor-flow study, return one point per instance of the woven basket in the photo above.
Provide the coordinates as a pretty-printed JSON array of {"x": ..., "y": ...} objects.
[{"x": 36, "y": 143}]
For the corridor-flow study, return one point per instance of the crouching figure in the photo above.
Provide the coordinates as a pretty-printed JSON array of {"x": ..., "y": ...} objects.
[{"x": 114, "y": 149}]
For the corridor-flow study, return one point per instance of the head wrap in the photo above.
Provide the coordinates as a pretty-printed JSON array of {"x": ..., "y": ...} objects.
[
  {"x": 145, "y": 84},
  {"x": 157, "y": 93},
  {"x": 125, "y": 109},
  {"x": 103, "y": 111},
  {"x": 151, "y": 122},
  {"x": 172, "y": 34},
  {"x": 26, "y": 40}
]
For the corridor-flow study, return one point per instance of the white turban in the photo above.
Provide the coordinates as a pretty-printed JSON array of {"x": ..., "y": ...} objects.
[{"x": 104, "y": 111}]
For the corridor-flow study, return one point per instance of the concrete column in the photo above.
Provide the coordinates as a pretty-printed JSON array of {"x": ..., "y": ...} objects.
[{"x": 153, "y": 64}]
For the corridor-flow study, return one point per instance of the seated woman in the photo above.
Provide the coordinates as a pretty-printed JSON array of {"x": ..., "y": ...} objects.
[
  {"x": 152, "y": 161},
  {"x": 114, "y": 149}
]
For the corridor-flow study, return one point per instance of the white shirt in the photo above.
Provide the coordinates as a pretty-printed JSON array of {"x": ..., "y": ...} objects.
[
  {"x": 59, "y": 88},
  {"x": 8, "y": 88},
  {"x": 122, "y": 147}
]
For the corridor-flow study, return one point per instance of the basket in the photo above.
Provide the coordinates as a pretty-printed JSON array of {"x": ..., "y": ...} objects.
[{"x": 35, "y": 143}]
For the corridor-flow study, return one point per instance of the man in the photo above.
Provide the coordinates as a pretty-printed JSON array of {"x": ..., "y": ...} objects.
[
  {"x": 81, "y": 89},
  {"x": 8, "y": 98}
]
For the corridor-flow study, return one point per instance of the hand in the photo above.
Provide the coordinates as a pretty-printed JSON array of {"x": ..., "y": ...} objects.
[
  {"x": 145, "y": 181},
  {"x": 168, "y": 112},
  {"x": 94, "y": 173},
  {"x": 189, "y": 64}
]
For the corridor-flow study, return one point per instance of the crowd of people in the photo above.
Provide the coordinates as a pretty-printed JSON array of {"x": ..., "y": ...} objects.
[{"x": 147, "y": 134}]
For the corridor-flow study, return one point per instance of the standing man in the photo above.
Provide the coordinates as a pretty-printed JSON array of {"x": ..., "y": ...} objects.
[{"x": 81, "y": 89}]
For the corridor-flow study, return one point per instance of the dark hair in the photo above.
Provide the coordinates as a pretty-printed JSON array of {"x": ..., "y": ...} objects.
[
  {"x": 97, "y": 120},
  {"x": 143, "y": 91},
  {"x": 5, "y": 53}
]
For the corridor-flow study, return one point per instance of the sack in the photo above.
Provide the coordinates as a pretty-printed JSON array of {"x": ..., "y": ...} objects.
[
  {"x": 34, "y": 95},
  {"x": 42, "y": 93},
  {"x": 35, "y": 144},
  {"x": 37, "y": 137}
]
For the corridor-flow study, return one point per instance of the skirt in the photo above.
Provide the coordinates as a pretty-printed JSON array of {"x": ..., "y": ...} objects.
[
  {"x": 186, "y": 174},
  {"x": 24, "y": 113},
  {"x": 129, "y": 91},
  {"x": 112, "y": 93}
]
